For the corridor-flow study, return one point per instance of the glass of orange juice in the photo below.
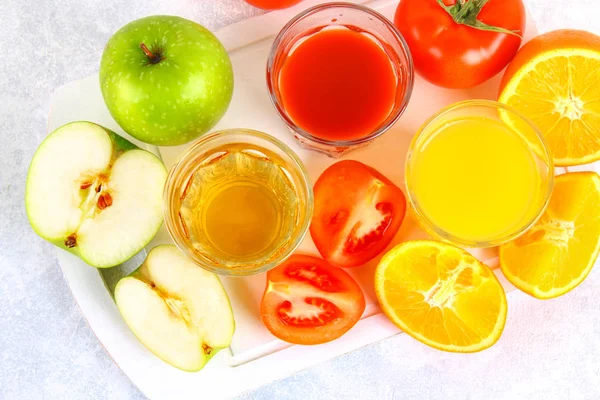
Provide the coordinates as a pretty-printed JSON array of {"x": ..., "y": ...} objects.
[
  {"x": 478, "y": 174},
  {"x": 238, "y": 202}
]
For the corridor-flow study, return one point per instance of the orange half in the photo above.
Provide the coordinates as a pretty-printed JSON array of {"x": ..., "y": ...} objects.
[
  {"x": 559, "y": 251},
  {"x": 441, "y": 295},
  {"x": 553, "y": 81}
]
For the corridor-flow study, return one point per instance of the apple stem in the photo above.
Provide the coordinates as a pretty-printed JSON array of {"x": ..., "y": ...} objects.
[
  {"x": 153, "y": 58},
  {"x": 71, "y": 241},
  {"x": 207, "y": 349}
]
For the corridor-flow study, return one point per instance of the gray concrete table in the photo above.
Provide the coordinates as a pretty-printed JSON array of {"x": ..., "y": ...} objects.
[{"x": 549, "y": 349}]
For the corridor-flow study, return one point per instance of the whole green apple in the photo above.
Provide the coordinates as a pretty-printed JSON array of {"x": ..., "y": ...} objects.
[{"x": 165, "y": 80}]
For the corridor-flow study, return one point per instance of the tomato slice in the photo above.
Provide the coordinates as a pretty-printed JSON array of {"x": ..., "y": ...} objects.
[
  {"x": 358, "y": 211},
  {"x": 307, "y": 301}
]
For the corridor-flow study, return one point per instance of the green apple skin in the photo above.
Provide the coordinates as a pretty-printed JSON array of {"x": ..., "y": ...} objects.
[
  {"x": 138, "y": 275},
  {"x": 176, "y": 95},
  {"x": 120, "y": 146},
  {"x": 170, "y": 275}
]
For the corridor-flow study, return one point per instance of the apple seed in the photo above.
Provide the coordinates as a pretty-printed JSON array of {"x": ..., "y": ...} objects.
[{"x": 105, "y": 200}]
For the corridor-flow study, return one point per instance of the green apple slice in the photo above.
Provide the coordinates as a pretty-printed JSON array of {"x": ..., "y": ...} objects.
[
  {"x": 176, "y": 309},
  {"x": 93, "y": 193}
]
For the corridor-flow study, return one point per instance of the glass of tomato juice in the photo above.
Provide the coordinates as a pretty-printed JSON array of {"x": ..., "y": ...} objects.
[{"x": 339, "y": 75}]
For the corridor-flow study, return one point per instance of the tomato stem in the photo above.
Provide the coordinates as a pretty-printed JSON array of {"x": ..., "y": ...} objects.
[{"x": 466, "y": 12}]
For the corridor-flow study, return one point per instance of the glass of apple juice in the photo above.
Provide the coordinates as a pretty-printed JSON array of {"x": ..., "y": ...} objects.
[{"x": 238, "y": 202}]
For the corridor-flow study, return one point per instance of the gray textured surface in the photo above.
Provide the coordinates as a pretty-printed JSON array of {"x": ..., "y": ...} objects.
[{"x": 548, "y": 350}]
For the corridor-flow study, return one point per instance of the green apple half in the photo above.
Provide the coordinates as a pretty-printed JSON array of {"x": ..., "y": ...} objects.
[
  {"x": 176, "y": 309},
  {"x": 93, "y": 193},
  {"x": 165, "y": 80}
]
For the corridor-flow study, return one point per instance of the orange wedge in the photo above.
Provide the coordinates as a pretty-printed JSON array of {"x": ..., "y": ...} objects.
[
  {"x": 559, "y": 251},
  {"x": 553, "y": 81},
  {"x": 441, "y": 295}
]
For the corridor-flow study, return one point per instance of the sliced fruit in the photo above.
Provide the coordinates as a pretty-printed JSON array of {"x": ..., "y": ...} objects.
[
  {"x": 358, "y": 211},
  {"x": 550, "y": 80},
  {"x": 179, "y": 311},
  {"x": 559, "y": 251},
  {"x": 307, "y": 301},
  {"x": 441, "y": 295},
  {"x": 95, "y": 194}
]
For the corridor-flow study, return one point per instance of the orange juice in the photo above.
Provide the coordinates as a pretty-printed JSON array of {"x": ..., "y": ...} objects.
[{"x": 475, "y": 180}]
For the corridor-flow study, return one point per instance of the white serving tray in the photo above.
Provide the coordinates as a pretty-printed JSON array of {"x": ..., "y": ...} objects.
[{"x": 255, "y": 357}]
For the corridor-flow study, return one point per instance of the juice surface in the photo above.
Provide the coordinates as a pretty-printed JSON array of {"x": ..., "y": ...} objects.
[
  {"x": 239, "y": 205},
  {"x": 476, "y": 179},
  {"x": 242, "y": 218},
  {"x": 338, "y": 85}
]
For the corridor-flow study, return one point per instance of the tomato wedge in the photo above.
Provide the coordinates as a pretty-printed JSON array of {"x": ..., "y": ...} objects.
[
  {"x": 358, "y": 211},
  {"x": 307, "y": 301}
]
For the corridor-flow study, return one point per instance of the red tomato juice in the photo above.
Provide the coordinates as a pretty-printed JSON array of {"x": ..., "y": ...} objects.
[{"x": 338, "y": 84}]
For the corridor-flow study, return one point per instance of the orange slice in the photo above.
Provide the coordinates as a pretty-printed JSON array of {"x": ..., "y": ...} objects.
[
  {"x": 441, "y": 295},
  {"x": 553, "y": 81},
  {"x": 559, "y": 251}
]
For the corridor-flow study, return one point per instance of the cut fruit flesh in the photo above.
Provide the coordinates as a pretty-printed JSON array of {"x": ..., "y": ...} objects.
[
  {"x": 136, "y": 184},
  {"x": 57, "y": 172},
  {"x": 176, "y": 309},
  {"x": 441, "y": 295},
  {"x": 551, "y": 81},
  {"x": 559, "y": 251},
  {"x": 94, "y": 194}
]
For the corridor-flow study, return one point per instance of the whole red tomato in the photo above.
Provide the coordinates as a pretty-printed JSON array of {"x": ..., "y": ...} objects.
[
  {"x": 461, "y": 43},
  {"x": 272, "y": 4}
]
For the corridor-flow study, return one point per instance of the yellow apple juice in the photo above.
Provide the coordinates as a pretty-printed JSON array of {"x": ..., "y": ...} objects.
[
  {"x": 239, "y": 205},
  {"x": 475, "y": 178}
]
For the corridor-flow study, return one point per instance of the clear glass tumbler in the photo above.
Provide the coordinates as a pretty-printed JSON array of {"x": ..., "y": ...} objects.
[
  {"x": 357, "y": 18},
  {"x": 478, "y": 174},
  {"x": 232, "y": 191}
]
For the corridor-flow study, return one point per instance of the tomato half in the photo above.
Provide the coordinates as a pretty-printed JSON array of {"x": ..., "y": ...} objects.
[
  {"x": 461, "y": 43},
  {"x": 307, "y": 301},
  {"x": 358, "y": 211},
  {"x": 272, "y": 4}
]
